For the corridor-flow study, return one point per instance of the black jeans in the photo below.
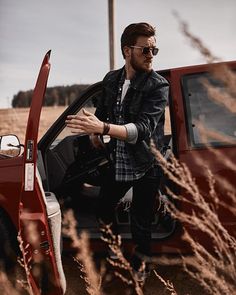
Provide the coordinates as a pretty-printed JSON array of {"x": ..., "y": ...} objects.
[{"x": 144, "y": 199}]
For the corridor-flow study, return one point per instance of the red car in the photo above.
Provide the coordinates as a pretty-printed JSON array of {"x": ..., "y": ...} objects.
[{"x": 64, "y": 166}]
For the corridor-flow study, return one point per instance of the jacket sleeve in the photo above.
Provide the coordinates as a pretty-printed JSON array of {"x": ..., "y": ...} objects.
[
  {"x": 101, "y": 112},
  {"x": 152, "y": 108}
]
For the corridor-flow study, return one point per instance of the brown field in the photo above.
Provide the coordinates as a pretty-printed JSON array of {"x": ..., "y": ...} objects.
[{"x": 14, "y": 120}]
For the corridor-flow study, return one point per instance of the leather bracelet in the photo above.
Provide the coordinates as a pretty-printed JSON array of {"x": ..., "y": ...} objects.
[{"x": 106, "y": 128}]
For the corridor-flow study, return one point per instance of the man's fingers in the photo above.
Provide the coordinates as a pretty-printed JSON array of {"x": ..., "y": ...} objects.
[
  {"x": 76, "y": 120},
  {"x": 75, "y": 124},
  {"x": 74, "y": 117},
  {"x": 80, "y": 131},
  {"x": 70, "y": 117},
  {"x": 87, "y": 122}
]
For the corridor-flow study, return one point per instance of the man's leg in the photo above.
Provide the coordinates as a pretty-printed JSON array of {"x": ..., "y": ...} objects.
[
  {"x": 142, "y": 212},
  {"x": 110, "y": 193}
]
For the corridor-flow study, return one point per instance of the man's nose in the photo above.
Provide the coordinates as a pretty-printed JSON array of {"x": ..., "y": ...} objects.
[{"x": 150, "y": 52}]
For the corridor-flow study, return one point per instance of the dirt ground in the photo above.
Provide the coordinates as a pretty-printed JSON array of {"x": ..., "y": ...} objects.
[
  {"x": 183, "y": 283},
  {"x": 112, "y": 285}
]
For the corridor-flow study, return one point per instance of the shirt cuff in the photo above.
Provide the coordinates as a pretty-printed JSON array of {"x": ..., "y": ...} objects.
[{"x": 132, "y": 133}]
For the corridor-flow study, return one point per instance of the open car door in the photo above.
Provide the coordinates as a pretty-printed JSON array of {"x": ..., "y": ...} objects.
[{"x": 40, "y": 216}]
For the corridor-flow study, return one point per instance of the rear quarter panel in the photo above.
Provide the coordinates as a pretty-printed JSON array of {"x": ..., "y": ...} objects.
[{"x": 220, "y": 160}]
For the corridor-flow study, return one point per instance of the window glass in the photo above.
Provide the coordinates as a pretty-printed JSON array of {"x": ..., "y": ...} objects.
[
  {"x": 89, "y": 105},
  {"x": 218, "y": 122}
]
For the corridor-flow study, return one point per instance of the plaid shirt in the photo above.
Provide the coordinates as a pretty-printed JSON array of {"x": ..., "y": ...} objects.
[{"x": 123, "y": 167}]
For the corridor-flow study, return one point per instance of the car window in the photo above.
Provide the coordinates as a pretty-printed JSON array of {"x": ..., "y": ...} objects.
[
  {"x": 89, "y": 105},
  {"x": 203, "y": 110}
]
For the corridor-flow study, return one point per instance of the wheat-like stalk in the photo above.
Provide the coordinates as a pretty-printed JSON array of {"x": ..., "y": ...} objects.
[
  {"x": 121, "y": 263},
  {"x": 83, "y": 256},
  {"x": 195, "y": 41},
  {"x": 6, "y": 288},
  {"x": 168, "y": 285}
]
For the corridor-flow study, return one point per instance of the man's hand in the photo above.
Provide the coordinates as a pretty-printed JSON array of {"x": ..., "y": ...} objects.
[{"x": 86, "y": 123}]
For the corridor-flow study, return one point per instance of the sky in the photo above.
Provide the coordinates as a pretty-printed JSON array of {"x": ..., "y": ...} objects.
[{"x": 77, "y": 33}]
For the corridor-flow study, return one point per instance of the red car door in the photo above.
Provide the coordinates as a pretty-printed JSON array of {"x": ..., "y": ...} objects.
[{"x": 38, "y": 243}]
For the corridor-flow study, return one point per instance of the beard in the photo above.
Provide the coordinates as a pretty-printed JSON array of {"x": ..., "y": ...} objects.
[{"x": 139, "y": 66}]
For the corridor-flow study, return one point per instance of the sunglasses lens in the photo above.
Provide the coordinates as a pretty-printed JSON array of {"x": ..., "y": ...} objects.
[
  {"x": 154, "y": 50},
  {"x": 146, "y": 50}
]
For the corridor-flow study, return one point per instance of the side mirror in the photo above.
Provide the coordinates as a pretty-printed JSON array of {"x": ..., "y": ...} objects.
[{"x": 9, "y": 146}]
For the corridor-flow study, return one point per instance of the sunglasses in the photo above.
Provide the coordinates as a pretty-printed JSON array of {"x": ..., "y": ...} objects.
[{"x": 146, "y": 50}]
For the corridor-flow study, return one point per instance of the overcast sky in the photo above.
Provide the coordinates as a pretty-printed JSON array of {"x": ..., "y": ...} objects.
[{"x": 77, "y": 33}]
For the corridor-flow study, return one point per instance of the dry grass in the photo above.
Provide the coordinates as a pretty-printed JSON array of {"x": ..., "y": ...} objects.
[
  {"x": 83, "y": 255},
  {"x": 95, "y": 278},
  {"x": 6, "y": 287},
  {"x": 216, "y": 272},
  {"x": 121, "y": 263},
  {"x": 14, "y": 120}
]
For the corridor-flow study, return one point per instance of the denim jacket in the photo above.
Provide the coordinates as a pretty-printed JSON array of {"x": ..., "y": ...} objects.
[{"x": 144, "y": 105}]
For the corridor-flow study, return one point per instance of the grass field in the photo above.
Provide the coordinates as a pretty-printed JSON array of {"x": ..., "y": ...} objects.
[{"x": 14, "y": 120}]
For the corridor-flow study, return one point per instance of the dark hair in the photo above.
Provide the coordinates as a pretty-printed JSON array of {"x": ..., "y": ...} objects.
[{"x": 133, "y": 31}]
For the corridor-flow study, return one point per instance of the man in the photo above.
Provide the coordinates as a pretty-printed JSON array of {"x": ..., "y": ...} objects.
[{"x": 131, "y": 111}]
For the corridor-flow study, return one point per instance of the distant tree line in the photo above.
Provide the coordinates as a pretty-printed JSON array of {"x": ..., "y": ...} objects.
[{"x": 54, "y": 96}]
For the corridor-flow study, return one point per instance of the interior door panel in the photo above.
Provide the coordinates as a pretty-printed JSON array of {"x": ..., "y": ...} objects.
[{"x": 74, "y": 160}]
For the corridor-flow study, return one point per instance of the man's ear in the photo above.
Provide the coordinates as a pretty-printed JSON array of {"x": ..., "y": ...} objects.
[{"x": 127, "y": 51}]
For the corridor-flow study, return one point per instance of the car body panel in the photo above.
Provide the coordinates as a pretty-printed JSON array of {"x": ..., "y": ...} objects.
[
  {"x": 197, "y": 158},
  {"x": 10, "y": 187}
]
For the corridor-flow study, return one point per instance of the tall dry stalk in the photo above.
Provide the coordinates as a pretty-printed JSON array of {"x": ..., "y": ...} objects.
[
  {"x": 195, "y": 41},
  {"x": 219, "y": 71},
  {"x": 6, "y": 288},
  {"x": 121, "y": 263},
  {"x": 83, "y": 255}
]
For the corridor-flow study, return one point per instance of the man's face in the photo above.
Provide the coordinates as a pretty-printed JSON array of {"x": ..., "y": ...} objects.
[{"x": 138, "y": 60}]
